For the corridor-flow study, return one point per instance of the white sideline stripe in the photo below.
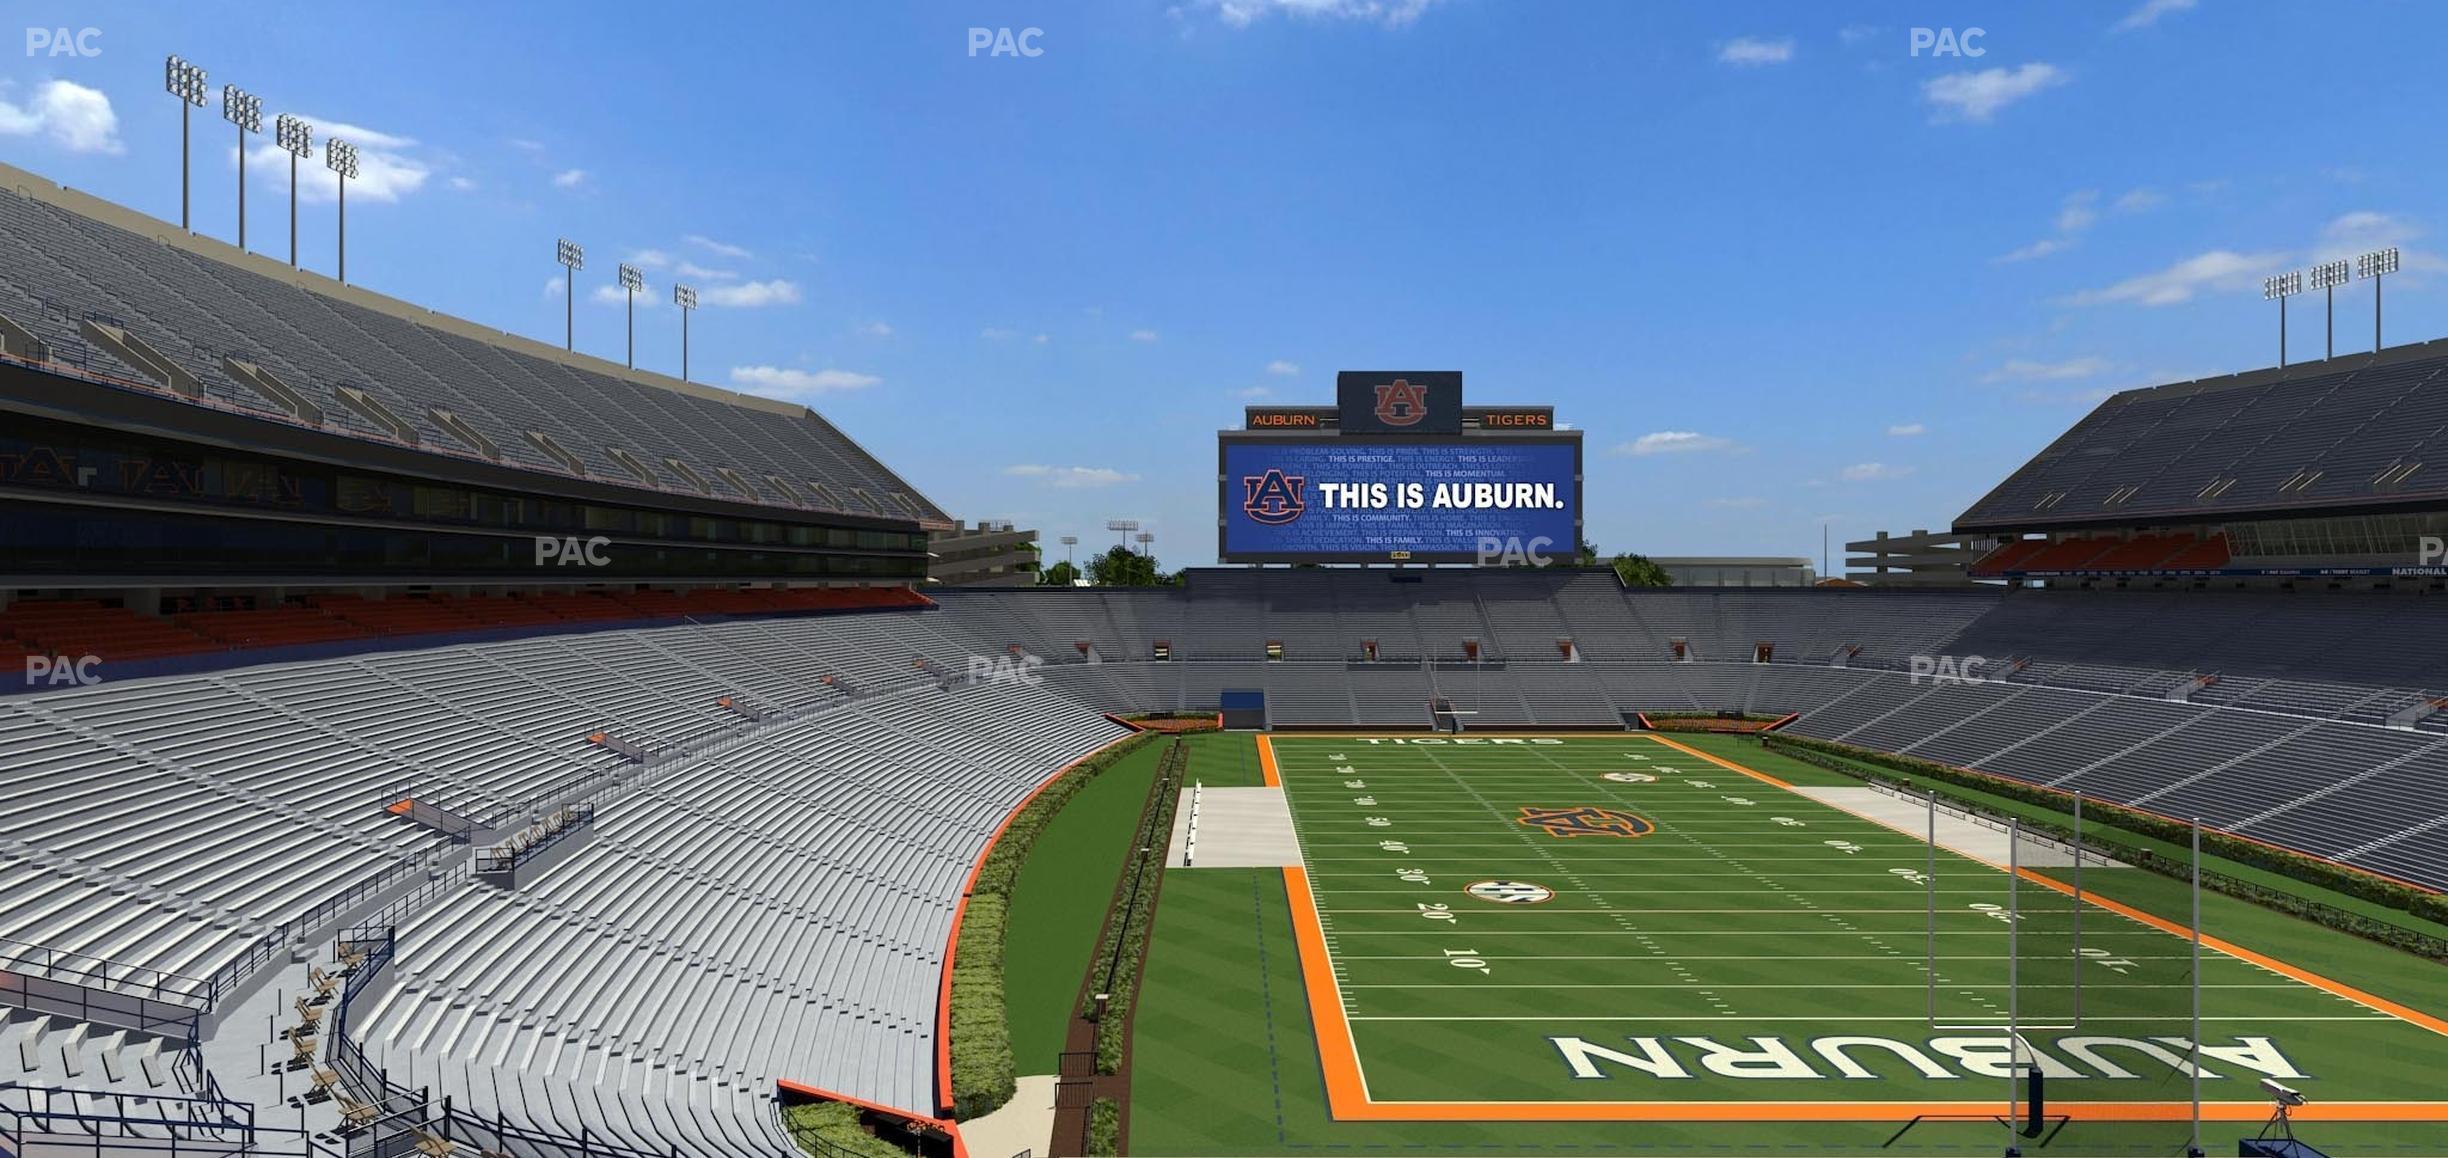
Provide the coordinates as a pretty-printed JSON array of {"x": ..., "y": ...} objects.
[{"x": 1701, "y": 985}]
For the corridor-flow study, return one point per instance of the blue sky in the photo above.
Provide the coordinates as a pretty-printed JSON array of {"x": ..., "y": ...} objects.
[{"x": 1784, "y": 270}]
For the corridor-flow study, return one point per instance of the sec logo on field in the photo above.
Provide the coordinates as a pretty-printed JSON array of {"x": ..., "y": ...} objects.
[
  {"x": 1630, "y": 777},
  {"x": 1511, "y": 892}
]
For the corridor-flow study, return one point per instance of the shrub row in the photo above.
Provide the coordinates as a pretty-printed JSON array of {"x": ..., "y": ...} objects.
[
  {"x": 1104, "y": 1128},
  {"x": 1125, "y": 941},
  {"x": 833, "y": 1130},
  {"x": 1852, "y": 761},
  {"x": 984, "y": 1074}
]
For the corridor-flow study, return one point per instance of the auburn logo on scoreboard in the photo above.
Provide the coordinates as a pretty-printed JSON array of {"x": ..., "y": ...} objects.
[
  {"x": 1402, "y": 402},
  {"x": 1273, "y": 498}
]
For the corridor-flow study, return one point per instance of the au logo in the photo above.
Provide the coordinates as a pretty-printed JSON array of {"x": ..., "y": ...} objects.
[
  {"x": 1511, "y": 892},
  {"x": 1273, "y": 498},
  {"x": 1629, "y": 777},
  {"x": 1401, "y": 403},
  {"x": 1587, "y": 820}
]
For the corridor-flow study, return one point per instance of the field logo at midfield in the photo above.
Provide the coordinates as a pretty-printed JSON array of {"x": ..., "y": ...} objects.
[
  {"x": 1273, "y": 498},
  {"x": 1586, "y": 820},
  {"x": 1629, "y": 777},
  {"x": 1511, "y": 892},
  {"x": 1402, "y": 403}
]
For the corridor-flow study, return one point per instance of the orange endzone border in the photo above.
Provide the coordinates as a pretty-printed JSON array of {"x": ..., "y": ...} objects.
[{"x": 1348, "y": 1100}]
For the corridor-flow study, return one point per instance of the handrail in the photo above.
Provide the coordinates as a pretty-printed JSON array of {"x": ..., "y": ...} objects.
[{"x": 30, "y": 959}]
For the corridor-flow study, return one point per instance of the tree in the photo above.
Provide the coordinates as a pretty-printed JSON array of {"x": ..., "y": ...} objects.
[
  {"x": 1059, "y": 575},
  {"x": 1119, "y": 566},
  {"x": 1641, "y": 571},
  {"x": 1587, "y": 555}
]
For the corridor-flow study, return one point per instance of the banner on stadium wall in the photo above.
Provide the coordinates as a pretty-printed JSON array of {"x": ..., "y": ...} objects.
[{"x": 1354, "y": 500}]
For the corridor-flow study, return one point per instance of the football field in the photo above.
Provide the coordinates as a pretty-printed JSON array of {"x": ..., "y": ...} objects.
[{"x": 1630, "y": 929}]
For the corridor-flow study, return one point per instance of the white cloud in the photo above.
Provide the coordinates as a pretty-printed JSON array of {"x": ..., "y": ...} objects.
[
  {"x": 876, "y": 330},
  {"x": 1743, "y": 503},
  {"x": 650, "y": 259},
  {"x": 388, "y": 167},
  {"x": 463, "y": 184},
  {"x": 569, "y": 178},
  {"x": 1674, "y": 442},
  {"x": 552, "y": 287},
  {"x": 2361, "y": 232},
  {"x": 1283, "y": 368},
  {"x": 2150, "y": 12},
  {"x": 1254, "y": 392},
  {"x": 1071, "y": 476},
  {"x": 2025, "y": 370},
  {"x": 1872, "y": 472},
  {"x": 614, "y": 295},
  {"x": 998, "y": 334},
  {"x": 717, "y": 248},
  {"x": 752, "y": 294},
  {"x": 1752, "y": 52},
  {"x": 1856, "y": 33},
  {"x": 2140, "y": 200},
  {"x": 2041, "y": 248},
  {"x": 2074, "y": 215},
  {"x": 793, "y": 385},
  {"x": 692, "y": 269},
  {"x": 1389, "y": 13},
  {"x": 1907, "y": 430},
  {"x": 1977, "y": 96},
  {"x": 74, "y": 117},
  {"x": 1042, "y": 339},
  {"x": 2219, "y": 269},
  {"x": 527, "y": 145},
  {"x": 1143, "y": 335}
]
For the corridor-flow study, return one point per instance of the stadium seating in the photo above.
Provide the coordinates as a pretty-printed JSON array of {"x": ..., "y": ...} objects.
[{"x": 65, "y": 269}]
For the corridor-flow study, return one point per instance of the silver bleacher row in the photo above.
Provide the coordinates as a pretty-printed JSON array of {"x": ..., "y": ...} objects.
[
  {"x": 59, "y": 269},
  {"x": 778, "y": 910}
]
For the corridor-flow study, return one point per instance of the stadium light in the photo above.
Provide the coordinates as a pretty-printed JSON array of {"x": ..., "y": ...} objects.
[
  {"x": 186, "y": 82},
  {"x": 296, "y": 138},
  {"x": 341, "y": 158},
  {"x": 684, "y": 297},
  {"x": 245, "y": 110},
  {"x": 572, "y": 258},
  {"x": 2375, "y": 265},
  {"x": 2326, "y": 277},
  {"x": 1147, "y": 543},
  {"x": 2279, "y": 288},
  {"x": 631, "y": 281},
  {"x": 1122, "y": 527},
  {"x": 1068, "y": 542}
]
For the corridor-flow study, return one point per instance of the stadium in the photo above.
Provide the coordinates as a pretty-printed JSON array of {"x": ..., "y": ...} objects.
[{"x": 436, "y": 741}]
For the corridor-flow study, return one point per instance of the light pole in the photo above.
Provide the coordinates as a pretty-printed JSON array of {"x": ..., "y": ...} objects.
[
  {"x": 684, "y": 297},
  {"x": 186, "y": 82},
  {"x": 1147, "y": 543},
  {"x": 296, "y": 138},
  {"x": 245, "y": 110},
  {"x": 2279, "y": 289},
  {"x": 572, "y": 258},
  {"x": 2326, "y": 277},
  {"x": 341, "y": 157},
  {"x": 631, "y": 282},
  {"x": 2375, "y": 265},
  {"x": 1068, "y": 542},
  {"x": 1122, "y": 527}
]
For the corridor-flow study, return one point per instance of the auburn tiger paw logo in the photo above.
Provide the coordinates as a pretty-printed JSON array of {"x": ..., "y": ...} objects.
[{"x": 1587, "y": 820}]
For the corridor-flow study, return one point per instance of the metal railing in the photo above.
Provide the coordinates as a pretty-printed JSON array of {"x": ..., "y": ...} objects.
[{"x": 144, "y": 983}]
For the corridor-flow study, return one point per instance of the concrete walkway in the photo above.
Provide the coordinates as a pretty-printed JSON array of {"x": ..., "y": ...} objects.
[
  {"x": 1956, "y": 832},
  {"x": 1024, "y": 1125},
  {"x": 1238, "y": 828}
]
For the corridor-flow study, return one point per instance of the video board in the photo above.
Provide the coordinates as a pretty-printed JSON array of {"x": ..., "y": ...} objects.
[{"x": 1356, "y": 499}]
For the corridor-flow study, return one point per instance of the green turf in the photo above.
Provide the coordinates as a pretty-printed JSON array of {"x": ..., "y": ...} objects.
[
  {"x": 1721, "y": 899},
  {"x": 1059, "y": 904}
]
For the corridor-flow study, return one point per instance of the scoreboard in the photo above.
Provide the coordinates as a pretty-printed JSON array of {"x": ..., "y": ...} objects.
[{"x": 1321, "y": 484}]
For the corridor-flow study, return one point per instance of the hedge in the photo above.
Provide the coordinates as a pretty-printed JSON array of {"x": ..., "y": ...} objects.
[
  {"x": 833, "y": 1130},
  {"x": 1126, "y": 941},
  {"x": 984, "y": 1075},
  {"x": 1850, "y": 760},
  {"x": 1104, "y": 1129}
]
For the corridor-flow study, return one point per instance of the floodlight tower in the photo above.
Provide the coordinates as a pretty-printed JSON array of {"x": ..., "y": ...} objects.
[
  {"x": 296, "y": 138},
  {"x": 2279, "y": 289},
  {"x": 341, "y": 158},
  {"x": 2375, "y": 265},
  {"x": 684, "y": 297},
  {"x": 631, "y": 281},
  {"x": 572, "y": 258},
  {"x": 186, "y": 82},
  {"x": 1122, "y": 527},
  {"x": 245, "y": 110},
  {"x": 2326, "y": 277},
  {"x": 1068, "y": 542},
  {"x": 1147, "y": 543}
]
